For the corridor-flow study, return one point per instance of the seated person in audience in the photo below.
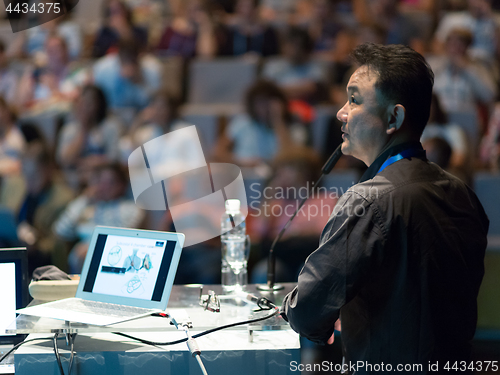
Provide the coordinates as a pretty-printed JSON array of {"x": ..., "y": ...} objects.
[
  {"x": 490, "y": 144},
  {"x": 56, "y": 81},
  {"x": 439, "y": 127},
  {"x": 92, "y": 138},
  {"x": 246, "y": 32},
  {"x": 295, "y": 172},
  {"x": 160, "y": 117},
  {"x": 461, "y": 84},
  {"x": 44, "y": 198},
  {"x": 255, "y": 137},
  {"x": 12, "y": 142},
  {"x": 398, "y": 27},
  {"x": 102, "y": 203},
  {"x": 192, "y": 31},
  {"x": 8, "y": 79},
  {"x": 31, "y": 43},
  {"x": 200, "y": 263},
  {"x": 323, "y": 25},
  {"x": 480, "y": 20},
  {"x": 438, "y": 151},
  {"x": 118, "y": 26},
  {"x": 297, "y": 75},
  {"x": 128, "y": 78}
]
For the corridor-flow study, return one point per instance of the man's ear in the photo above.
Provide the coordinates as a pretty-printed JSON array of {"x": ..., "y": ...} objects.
[{"x": 397, "y": 115}]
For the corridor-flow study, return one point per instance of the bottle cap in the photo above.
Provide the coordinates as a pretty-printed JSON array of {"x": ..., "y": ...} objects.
[{"x": 233, "y": 206}]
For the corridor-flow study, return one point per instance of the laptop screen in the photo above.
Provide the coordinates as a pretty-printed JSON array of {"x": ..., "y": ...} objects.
[
  {"x": 129, "y": 267},
  {"x": 8, "y": 295},
  {"x": 14, "y": 290}
]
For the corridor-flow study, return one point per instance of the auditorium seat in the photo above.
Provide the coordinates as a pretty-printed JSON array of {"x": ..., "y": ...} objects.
[{"x": 223, "y": 80}]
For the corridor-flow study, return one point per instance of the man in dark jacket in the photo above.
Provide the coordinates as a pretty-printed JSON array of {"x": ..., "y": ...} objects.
[{"x": 400, "y": 260}]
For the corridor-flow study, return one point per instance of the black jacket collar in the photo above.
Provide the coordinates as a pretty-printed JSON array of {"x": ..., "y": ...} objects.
[{"x": 375, "y": 166}]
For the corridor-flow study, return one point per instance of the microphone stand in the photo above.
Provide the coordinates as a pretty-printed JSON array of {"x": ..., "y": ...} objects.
[{"x": 271, "y": 260}]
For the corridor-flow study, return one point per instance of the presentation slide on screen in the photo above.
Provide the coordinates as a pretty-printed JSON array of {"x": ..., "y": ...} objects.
[
  {"x": 129, "y": 267},
  {"x": 7, "y": 295}
]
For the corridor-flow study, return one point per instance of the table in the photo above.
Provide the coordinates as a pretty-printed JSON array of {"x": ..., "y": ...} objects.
[{"x": 269, "y": 350}]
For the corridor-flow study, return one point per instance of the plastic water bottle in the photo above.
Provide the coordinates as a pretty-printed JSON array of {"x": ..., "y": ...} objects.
[{"x": 234, "y": 247}]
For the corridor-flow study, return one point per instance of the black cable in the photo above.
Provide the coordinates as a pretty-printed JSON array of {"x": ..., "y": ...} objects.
[
  {"x": 276, "y": 312},
  {"x": 71, "y": 338},
  {"x": 56, "y": 352},
  {"x": 22, "y": 343}
]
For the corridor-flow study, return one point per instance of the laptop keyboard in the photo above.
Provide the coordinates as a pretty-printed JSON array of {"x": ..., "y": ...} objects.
[{"x": 101, "y": 308}]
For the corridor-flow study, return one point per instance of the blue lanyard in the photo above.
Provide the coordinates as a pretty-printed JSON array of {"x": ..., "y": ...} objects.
[{"x": 406, "y": 154}]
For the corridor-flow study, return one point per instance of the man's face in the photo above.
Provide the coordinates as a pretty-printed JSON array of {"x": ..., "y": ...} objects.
[{"x": 363, "y": 127}]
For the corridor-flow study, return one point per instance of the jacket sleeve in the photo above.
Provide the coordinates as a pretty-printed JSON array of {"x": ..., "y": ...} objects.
[{"x": 351, "y": 248}]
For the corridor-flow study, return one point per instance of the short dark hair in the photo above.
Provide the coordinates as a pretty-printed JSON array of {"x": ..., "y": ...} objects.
[
  {"x": 301, "y": 37},
  {"x": 463, "y": 34},
  {"x": 267, "y": 89},
  {"x": 404, "y": 77},
  {"x": 128, "y": 51},
  {"x": 100, "y": 99},
  {"x": 117, "y": 169}
]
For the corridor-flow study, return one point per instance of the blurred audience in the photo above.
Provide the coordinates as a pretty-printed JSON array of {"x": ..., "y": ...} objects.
[
  {"x": 247, "y": 33},
  {"x": 118, "y": 26},
  {"x": 399, "y": 27},
  {"x": 300, "y": 77},
  {"x": 55, "y": 81},
  {"x": 160, "y": 117},
  {"x": 90, "y": 139},
  {"x": 168, "y": 149},
  {"x": 45, "y": 196},
  {"x": 295, "y": 170},
  {"x": 103, "y": 202},
  {"x": 480, "y": 21},
  {"x": 8, "y": 79},
  {"x": 438, "y": 126},
  {"x": 461, "y": 85},
  {"x": 12, "y": 141},
  {"x": 323, "y": 25},
  {"x": 490, "y": 145},
  {"x": 266, "y": 127},
  {"x": 192, "y": 32},
  {"x": 128, "y": 78},
  {"x": 438, "y": 151},
  {"x": 32, "y": 42}
]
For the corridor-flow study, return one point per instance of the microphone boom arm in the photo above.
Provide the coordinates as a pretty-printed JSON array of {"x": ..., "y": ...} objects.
[{"x": 271, "y": 260}]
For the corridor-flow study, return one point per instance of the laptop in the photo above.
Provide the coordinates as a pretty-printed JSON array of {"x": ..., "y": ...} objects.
[
  {"x": 13, "y": 295},
  {"x": 127, "y": 274}
]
